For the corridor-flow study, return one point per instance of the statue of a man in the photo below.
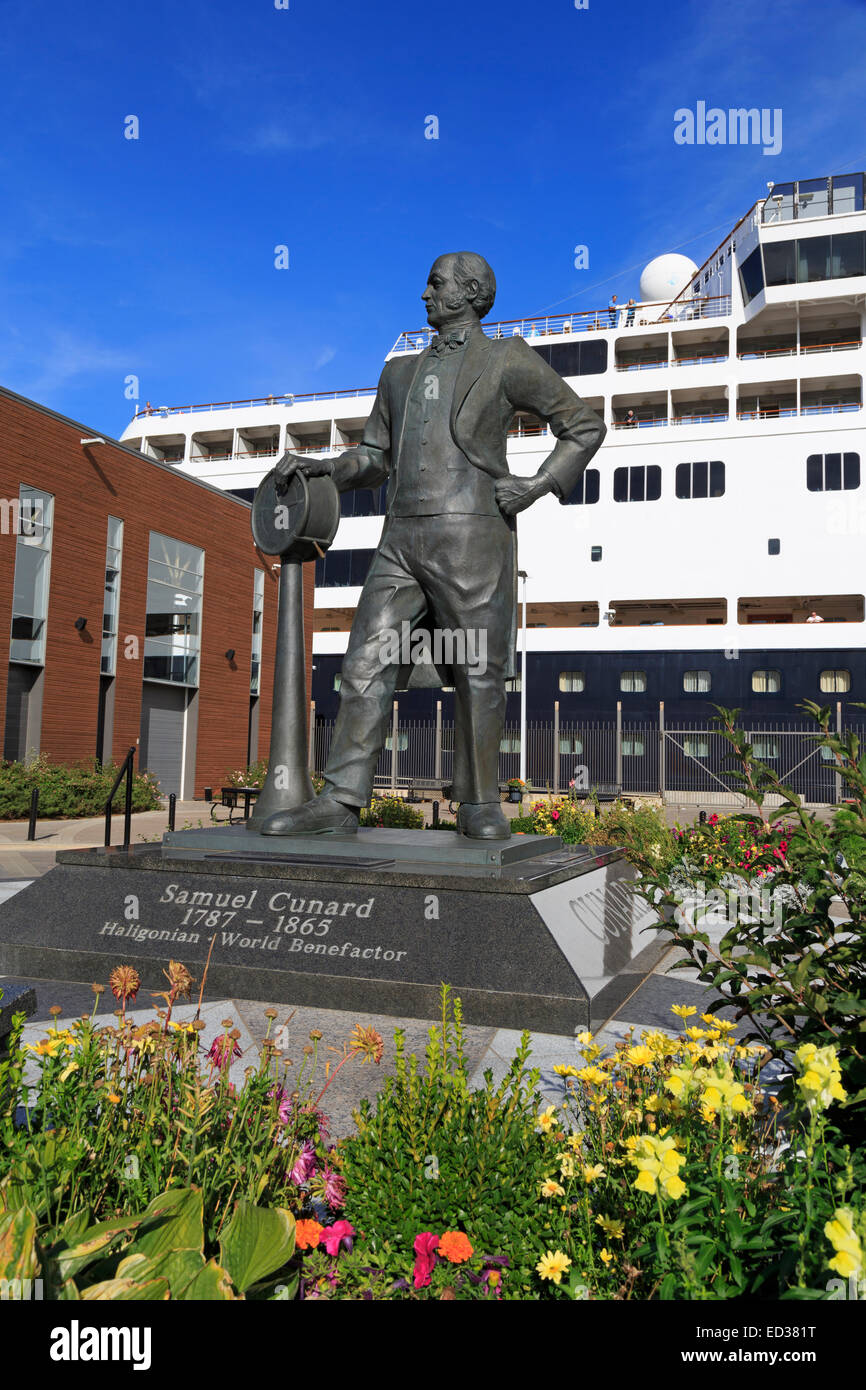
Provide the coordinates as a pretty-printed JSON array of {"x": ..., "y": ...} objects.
[{"x": 447, "y": 557}]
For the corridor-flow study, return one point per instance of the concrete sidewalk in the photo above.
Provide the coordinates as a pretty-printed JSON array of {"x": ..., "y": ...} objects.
[{"x": 23, "y": 858}]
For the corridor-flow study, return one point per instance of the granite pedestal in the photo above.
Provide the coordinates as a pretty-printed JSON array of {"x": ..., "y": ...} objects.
[{"x": 529, "y": 933}]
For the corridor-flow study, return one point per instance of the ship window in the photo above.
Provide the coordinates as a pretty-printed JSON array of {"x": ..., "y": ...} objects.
[
  {"x": 832, "y": 472},
  {"x": 571, "y": 682},
  {"x": 766, "y": 682},
  {"x": 763, "y": 747},
  {"x": 632, "y": 746},
  {"x": 641, "y": 483},
  {"x": 780, "y": 264},
  {"x": 576, "y": 358},
  {"x": 813, "y": 259},
  {"x": 848, "y": 193},
  {"x": 585, "y": 490},
  {"x": 848, "y": 255},
  {"x": 632, "y": 682},
  {"x": 569, "y": 745},
  {"x": 696, "y": 745},
  {"x": 696, "y": 682},
  {"x": 700, "y": 479},
  {"x": 595, "y": 553},
  {"x": 834, "y": 682},
  {"x": 774, "y": 546},
  {"x": 752, "y": 275}
]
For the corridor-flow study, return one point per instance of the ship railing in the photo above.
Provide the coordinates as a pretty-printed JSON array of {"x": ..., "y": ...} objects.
[
  {"x": 642, "y": 366},
  {"x": 643, "y": 422},
  {"x": 790, "y": 412},
  {"x": 584, "y": 321},
  {"x": 697, "y": 361},
  {"x": 805, "y": 350},
  {"x": 833, "y": 408},
  {"x": 768, "y": 413},
  {"x": 288, "y": 399},
  {"x": 711, "y": 418}
]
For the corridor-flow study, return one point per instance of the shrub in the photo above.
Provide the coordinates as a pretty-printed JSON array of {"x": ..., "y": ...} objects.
[
  {"x": 394, "y": 812},
  {"x": 68, "y": 791},
  {"x": 787, "y": 966},
  {"x": 642, "y": 833},
  {"x": 430, "y": 1156}
]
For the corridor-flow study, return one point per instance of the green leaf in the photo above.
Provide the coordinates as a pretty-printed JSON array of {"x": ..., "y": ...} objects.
[
  {"x": 210, "y": 1284},
  {"x": 18, "y": 1258},
  {"x": 172, "y": 1221},
  {"x": 127, "y": 1290},
  {"x": 256, "y": 1242}
]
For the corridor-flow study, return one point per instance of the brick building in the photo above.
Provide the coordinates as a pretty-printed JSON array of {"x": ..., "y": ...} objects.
[{"x": 139, "y": 610}]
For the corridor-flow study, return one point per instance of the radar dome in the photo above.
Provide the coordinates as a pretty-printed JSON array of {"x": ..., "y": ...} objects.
[{"x": 664, "y": 277}]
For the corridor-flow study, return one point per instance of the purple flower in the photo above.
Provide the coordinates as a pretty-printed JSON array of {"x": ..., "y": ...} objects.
[
  {"x": 305, "y": 1165},
  {"x": 334, "y": 1188}
]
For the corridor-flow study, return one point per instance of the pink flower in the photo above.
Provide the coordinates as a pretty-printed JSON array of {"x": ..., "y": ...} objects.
[
  {"x": 425, "y": 1253},
  {"x": 554, "y": 815},
  {"x": 223, "y": 1051},
  {"x": 333, "y": 1236},
  {"x": 305, "y": 1166},
  {"x": 334, "y": 1189}
]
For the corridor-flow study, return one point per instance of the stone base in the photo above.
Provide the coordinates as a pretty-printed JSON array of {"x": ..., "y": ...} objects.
[{"x": 544, "y": 940}]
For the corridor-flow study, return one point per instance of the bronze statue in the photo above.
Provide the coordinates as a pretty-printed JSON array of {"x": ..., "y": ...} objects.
[{"x": 447, "y": 558}]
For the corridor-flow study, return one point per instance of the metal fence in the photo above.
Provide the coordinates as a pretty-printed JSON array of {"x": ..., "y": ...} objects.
[{"x": 639, "y": 757}]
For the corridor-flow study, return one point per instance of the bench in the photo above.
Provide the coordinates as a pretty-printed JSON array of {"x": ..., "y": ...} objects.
[
  {"x": 425, "y": 784},
  {"x": 602, "y": 791},
  {"x": 230, "y": 801}
]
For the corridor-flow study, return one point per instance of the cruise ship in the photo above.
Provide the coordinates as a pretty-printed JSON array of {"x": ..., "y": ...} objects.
[{"x": 712, "y": 553}]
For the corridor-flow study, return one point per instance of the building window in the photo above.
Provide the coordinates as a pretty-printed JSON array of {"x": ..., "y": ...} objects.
[
  {"x": 766, "y": 682},
  {"x": 632, "y": 682},
  {"x": 509, "y": 745},
  {"x": 111, "y": 602},
  {"x": 172, "y": 632},
  {"x": 572, "y": 682},
  {"x": 512, "y": 685},
  {"x": 343, "y": 568},
  {"x": 337, "y": 682},
  {"x": 595, "y": 553},
  {"x": 32, "y": 575},
  {"x": 764, "y": 747},
  {"x": 834, "y": 682},
  {"x": 700, "y": 479},
  {"x": 632, "y": 745},
  {"x": 832, "y": 472},
  {"x": 696, "y": 682},
  {"x": 585, "y": 490},
  {"x": 774, "y": 546},
  {"x": 258, "y": 617},
  {"x": 402, "y": 742},
  {"x": 696, "y": 745},
  {"x": 640, "y": 483}
]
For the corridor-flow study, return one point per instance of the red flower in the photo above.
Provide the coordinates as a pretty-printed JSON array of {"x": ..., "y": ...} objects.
[
  {"x": 425, "y": 1257},
  {"x": 333, "y": 1236}
]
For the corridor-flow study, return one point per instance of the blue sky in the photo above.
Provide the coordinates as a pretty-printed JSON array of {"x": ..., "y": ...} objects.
[{"x": 305, "y": 127}]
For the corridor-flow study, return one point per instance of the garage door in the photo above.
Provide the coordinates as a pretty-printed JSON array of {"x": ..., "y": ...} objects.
[{"x": 162, "y": 732}]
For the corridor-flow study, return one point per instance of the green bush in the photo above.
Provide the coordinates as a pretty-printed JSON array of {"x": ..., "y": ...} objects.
[
  {"x": 394, "y": 812},
  {"x": 641, "y": 832},
  {"x": 431, "y": 1155},
  {"x": 784, "y": 962},
  {"x": 69, "y": 791}
]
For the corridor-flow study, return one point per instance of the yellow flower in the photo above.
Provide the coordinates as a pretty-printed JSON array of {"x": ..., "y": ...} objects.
[
  {"x": 68, "y": 1070},
  {"x": 547, "y": 1119},
  {"x": 821, "y": 1078},
  {"x": 696, "y": 1034},
  {"x": 653, "y": 1103},
  {"x": 114, "y": 1097},
  {"x": 615, "y": 1230},
  {"x": 605, "y": 1256},
  {"x": 552, "y": 1189},
  {"x": 553, "y": 1265},
  {"x": 724, "y": 1095},
  {"x": 658, "y": 1165},
  {"x": 562, "y": 1070},
  {"x": 584, "y": 1037},
  {"x": 683, "y": 1010},
  {"x": 680, "y": 1081},
  {"x": 574, "y": 1142},
  {"x": 566, "y": 1165},
  {"x": 639, "y": 1057},
  {"x": 848, "y": 1260},
  {"x": 594, "y": 1076},
  {"x": 591, "y": 1171}
]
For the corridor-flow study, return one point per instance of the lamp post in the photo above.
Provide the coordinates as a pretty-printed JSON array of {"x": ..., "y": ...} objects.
[{"x": 523, "y": 576}]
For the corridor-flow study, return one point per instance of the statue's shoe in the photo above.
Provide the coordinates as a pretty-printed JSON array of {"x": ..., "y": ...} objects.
[
  {"x": 483, "y": 821},
  {"x": 324, "y": 815}
]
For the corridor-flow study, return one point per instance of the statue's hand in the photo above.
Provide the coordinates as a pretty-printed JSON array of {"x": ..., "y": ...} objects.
[
  {"x": 290, "y": 464},
  {"x": 514, "y": 495}
]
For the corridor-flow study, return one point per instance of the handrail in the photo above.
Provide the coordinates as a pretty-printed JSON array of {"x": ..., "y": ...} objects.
[
  {"x": 792, "y": 350},
  {"x": 125, "y": 771},
  {"x": 288, "y": 398}
]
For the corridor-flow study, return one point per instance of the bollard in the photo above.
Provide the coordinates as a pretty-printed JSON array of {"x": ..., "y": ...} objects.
[
  {"x": 435, "y": 815},
  {"x": 172, "y": 809},
  {"x": 34, "y": 811},
  {"x": 208, "y": 793}
]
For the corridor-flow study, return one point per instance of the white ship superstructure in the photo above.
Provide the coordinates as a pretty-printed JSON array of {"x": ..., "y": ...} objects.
[{"x": 713, "y": 551}]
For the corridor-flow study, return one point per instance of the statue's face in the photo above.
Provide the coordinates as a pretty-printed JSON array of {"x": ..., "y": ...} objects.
[{"x": 445, "y": 299}]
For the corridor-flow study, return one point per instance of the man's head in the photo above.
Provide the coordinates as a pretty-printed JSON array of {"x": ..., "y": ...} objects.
[{"x": 460, "y": 287}]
